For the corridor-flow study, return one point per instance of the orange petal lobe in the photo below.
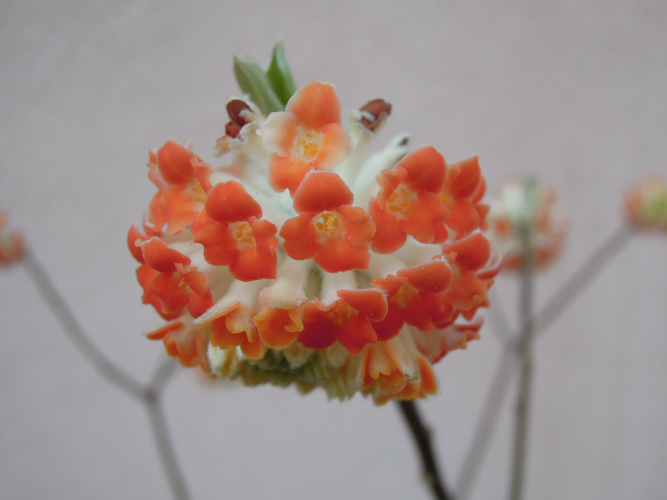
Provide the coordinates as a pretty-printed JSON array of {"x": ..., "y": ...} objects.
[
  {"x": 472, "y": 251},
  {"x": 432, "y": 277},
  {"x": 132, "y": 236},
  {"x": 426, "y": 170},
  {"x": 174, "y": 163},
  {"x": 321, "y": 191},
  {"x": 315, "y": 105},
  {"x": 161, "y": 257},
  {"x": 229, "y": 202},
  {"x": 370, "y": 302}
]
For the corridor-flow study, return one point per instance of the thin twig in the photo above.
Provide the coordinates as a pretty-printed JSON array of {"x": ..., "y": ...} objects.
[
  {"x": 165, "y": 447},
  {"x": 499, "y": 321},
  {"x": 162, "y": 374},
  {"x": 423, "y": 439},
  {"x": 75, "y": 332},
  {"x": 487, "y": 423},
  {"x": 148, "y": 396},
  {"x": 525, "y": 352},
  {"x": 583, "y": 277}
]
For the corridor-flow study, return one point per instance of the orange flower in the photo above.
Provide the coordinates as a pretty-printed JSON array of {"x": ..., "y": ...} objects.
[
  {"x": 307, "y": 135},
  {"x": 182, "y": 179},
  {"x": 367, "y": 273},
  {"x": 407, "y": 203},
  {"x": 328, "y": 228}
]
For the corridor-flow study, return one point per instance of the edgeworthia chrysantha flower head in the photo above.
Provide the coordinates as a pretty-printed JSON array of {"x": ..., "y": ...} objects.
[{"x": 306, "y": 260}]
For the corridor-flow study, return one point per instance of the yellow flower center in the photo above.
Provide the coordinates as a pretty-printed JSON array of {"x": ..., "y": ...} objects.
[
  {"x": 399, "y": 200},
  {"x": 308, "y": 146},
  {"x": 341, "y": 314},
  {"x": 200, "y": 194},
  {"x": 446, "y": 199},
  {"x": 243, "y": 234},
  {"x": 328, "y": 224}
]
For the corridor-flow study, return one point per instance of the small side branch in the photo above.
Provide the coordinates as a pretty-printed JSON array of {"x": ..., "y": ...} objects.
[
  {"x": 583, "y": 277},
  {"x": 162, "y": 374},
  {"x": 423, "y": 439},
  {"x": 73, "y": 330}
]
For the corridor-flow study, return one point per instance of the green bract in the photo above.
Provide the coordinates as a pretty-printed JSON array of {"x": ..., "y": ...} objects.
[{"x": 270, "y": 90}]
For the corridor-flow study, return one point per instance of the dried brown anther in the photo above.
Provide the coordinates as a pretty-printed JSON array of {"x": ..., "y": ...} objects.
[
  {"x": 235, "y": 107},
  {"x": 374, "y": 113}
]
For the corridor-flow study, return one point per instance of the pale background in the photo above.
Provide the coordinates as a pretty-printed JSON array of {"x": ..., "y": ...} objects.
[{"x": 575, "y": 91}]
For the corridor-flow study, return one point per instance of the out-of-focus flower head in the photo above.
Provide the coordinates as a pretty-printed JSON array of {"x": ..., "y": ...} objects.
[
  {"x": 11, "y": 242},
  {"x": 305, "y": 260},
  {"x": 526, "y": 202},
  {"x": 646, "y": 204}
]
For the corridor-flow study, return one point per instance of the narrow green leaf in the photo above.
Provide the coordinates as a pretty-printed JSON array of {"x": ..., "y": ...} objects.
[
  {"x": 280, "y": 75},
  {"x": 254, "y": 82}
]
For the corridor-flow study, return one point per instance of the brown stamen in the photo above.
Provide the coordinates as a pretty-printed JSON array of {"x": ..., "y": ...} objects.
[
  {"x": 235, "y": 107},
  {"x": 374, "y": 113}
]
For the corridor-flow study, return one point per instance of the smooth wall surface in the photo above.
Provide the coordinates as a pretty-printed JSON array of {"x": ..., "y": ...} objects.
[{"x": 574, "y": 91}]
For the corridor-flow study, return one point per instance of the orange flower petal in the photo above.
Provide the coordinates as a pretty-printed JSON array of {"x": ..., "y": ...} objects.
[
  {"x": 320, "y": 191},
  {"x": 472, "y": 251},
  {"x": 426, "y": 170},
  {"x": 278, "y": 328},
  {"x": 338, "y": 255},
  {"x": 391, "y": 325},
  {"x": 432, "y": 277},
  {"x": 161, "y": 257},
  {"x": 287, "y": 172},
  {"x": 388, "y": 237},
  {"x": 355, "y": 333},
  {"x": 279, "y": 131},
  {"x": 467, "y": 181},
  {"x": 301, "y": 241},
  {"x": 133, "y": 236},
  {"x": 315, "y": 105},
  {"x": 222, "y": 338},
  {"x": 335, "y": 148},
  {"x": 230, "y": 202},
  {"x": 174, "y": 163},
  {"x": 422, "y": 216},
  {"x": 359, "y": 227},
  {"x": 370, "y": 302}
]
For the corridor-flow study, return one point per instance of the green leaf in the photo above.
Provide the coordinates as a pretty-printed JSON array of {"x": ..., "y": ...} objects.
[
  {"x": 254, "y": 82},
  {"x": 280, "y": 75}
]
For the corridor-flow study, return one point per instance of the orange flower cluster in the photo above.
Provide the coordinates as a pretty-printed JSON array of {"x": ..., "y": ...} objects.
[
  {"x": 546, "y": 222},
  {"x": 646, "y": 204},
  {"x": 307, "y": 261},
  {"x": 11, "y": 242}
]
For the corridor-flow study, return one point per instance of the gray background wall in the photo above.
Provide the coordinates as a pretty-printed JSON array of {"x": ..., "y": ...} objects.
[{"x": 573, "y": 90}]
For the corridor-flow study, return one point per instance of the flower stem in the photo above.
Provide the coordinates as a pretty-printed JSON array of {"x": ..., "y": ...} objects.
[
  {"x": 525, "y": 354},
  {"x": 165, "y": 447},
  {"x": 583, "y": 277},
  {"x": 486, "y": 424},
  {"x": 75, "y": 332},
  {"x": 549, "y": 313},
  {"x": 422, "y": 438}
]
